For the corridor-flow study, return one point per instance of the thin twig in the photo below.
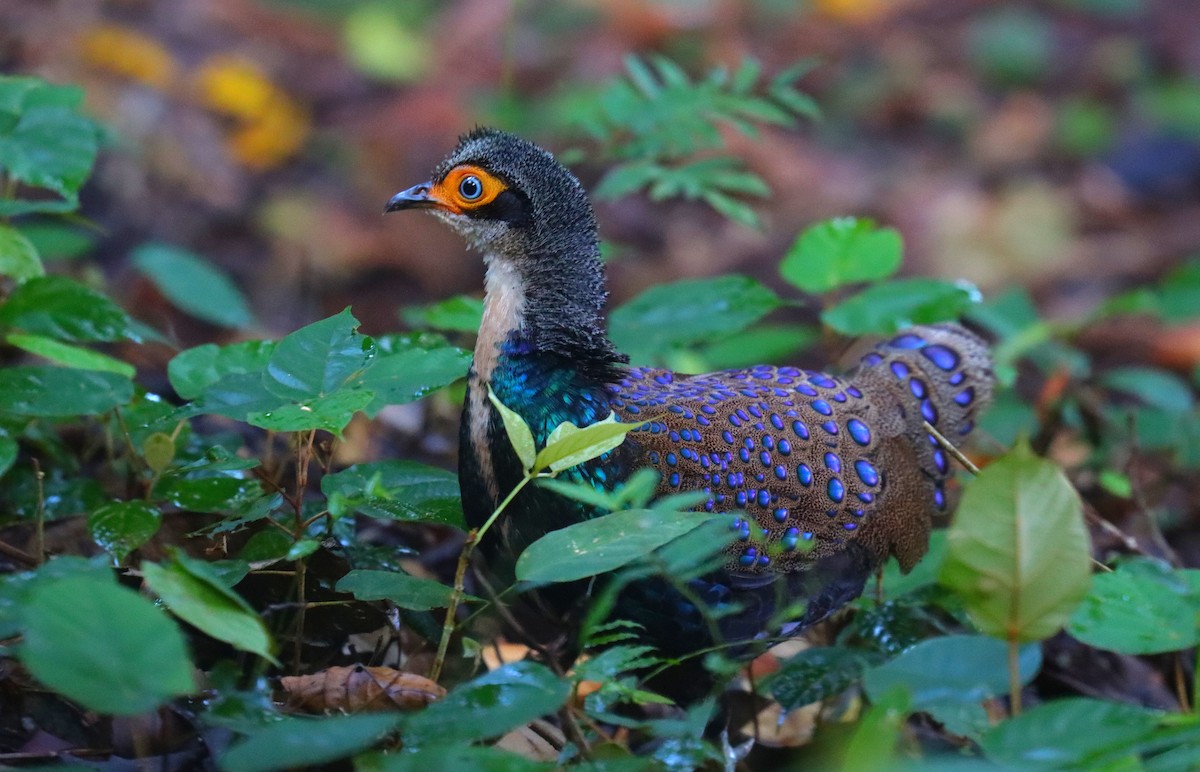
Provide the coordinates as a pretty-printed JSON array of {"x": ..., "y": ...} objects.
[
  {"x": 949, "y": 447},
  {"x": 18, "y": 555}
]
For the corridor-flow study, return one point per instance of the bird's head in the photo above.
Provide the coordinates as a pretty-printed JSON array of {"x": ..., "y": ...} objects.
[{"x": 509, "y": 198}]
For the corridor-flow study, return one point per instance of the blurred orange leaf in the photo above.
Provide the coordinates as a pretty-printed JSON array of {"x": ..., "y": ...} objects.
[
  {"x": 359, "y": 688},
  {"x": 270, "y": 125},
  {"x": 129, "y": 54}
]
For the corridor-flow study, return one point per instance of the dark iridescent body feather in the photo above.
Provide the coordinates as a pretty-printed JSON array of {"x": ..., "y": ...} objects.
[{"x": 834, "y": 474}]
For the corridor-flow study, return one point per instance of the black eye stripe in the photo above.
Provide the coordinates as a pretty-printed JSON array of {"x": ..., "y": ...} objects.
[{"x": 470, "y": 187}]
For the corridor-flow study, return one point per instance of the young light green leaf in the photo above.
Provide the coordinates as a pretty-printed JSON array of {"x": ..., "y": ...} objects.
[
  {"x": 158, "y": 449},
  {"x": 604, "y": 543},
  {"x": 405, "y": 591},
  {"x": 841, "y": 251},
  {"x": 197, "y": 596},
  {"x": 103, "y": 645},
  {"x": 1017, "y": 551},
  {"x": 873, "y": 744},
  {"x": 569, "y": 445},
  {"x": 71, "y": 356},
  {"x": 193, "y": 285},
  {"x": 1143, "y": 607},
  {"x": 19, "y": 258},
  {"x": 518, "y": 432},
  {"x": 120, "y": 527}
]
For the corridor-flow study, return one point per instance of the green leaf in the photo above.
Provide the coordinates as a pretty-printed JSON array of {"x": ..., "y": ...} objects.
[
  {"x": 103, "y": 646},
  {"x": 757, "y": 344},
  {"x": 1153, "y": 387},
  {"x": 396, "y": 490},
  {"x": 873, "y": 744},
  {"x": 841, "y": 251},
  {"x": 193, "y": 285},
  {"x": 896, "y": 583},
  {"x": 461, "y": 313},
  {"x": 507, "y": 697},
  {"x": 306, "y": 742},
  {"x": 159, "y": 451},
  {"x": 319, "y": 359},
  {"x": 60, "y": 391},
  {"x": 1143, "y": 607},
  {"x": 197, "y": 596},
  {"x": 71, "y": 356},
  {"x": 45, "y": 143},
  {"x": 120, "y": 527},
  {"x": 194, "y": 371},
  {"x": 208, "y": 494},
  {"x": 568, "y": 445},
  {"x": 686, "y": 312},
  {"x": 1018, "y": 554},
  {"x": 1067, "y": 733},
  {"x": 952, "y": 668},
  {"x": 603, "y": 544},
  {"x": 518, "y": 432},
  {"x": 8, "y": 452},
  {"x": 58, "y": 240},
  {"x": 331, "y": 412},
  {"x": 62, "y": 308},
  {"x": 19, "y": 258},
  {"x": 411, "y": 374},
  {"x": 894, "y": 305},
  {"x": 454, "y": 757},
  {"x": 403, "y": 590},
  {"x": 816, "y": 674}
]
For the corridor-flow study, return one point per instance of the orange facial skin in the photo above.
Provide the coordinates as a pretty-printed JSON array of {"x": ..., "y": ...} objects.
[{"x": 451, "y": 193}]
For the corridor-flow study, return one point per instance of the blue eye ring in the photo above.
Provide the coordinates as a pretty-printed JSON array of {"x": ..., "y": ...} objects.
[{"x": 470, "y": 187}]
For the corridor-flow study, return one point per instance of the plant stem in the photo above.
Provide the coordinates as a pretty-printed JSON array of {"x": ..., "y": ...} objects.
[
  {"x": 39, "y": 476},
  {"x": 464, "y": 560},
  {"x": 949, "y": 447},
  {"x": 1014, "y": 676}
]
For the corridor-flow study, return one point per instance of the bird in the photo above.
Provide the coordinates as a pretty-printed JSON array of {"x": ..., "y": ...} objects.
[{"x": 828, "y": 474}]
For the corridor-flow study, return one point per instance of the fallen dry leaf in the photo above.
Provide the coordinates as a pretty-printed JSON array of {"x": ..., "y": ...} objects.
[{"x": 358, "y": 688}]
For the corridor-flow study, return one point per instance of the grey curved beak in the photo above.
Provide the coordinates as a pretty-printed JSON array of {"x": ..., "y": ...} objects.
[{"x": 416, "y": 197}]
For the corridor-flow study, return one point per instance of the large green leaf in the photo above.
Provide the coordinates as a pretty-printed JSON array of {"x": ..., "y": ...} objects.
[
  {"x": 1068, "y": 734},
  {"x": 195, "y": 594},
  {"x": 841, "y": 251},
  {"x": 62, "y": 308},
  {"x": 60, "y": 391},
  {"x": 44, "y": 143},
  {"x": 1143, "y": 607},
  {"x": 952, "y": 668},
  {"x": 103, "y": 645},
  {"x": 330, "y": 412},
  {"x": 1017, "y": 551},
  {"x": 604, "y": 543},
  {"x": 891, "y": 306},
  {"x": 120, "y": 527},
  {"x": 318, "y": 359},
  {"x": 409, "y": 374},
  {"x": 220, "y": 493},
  {"x": 8, "y": 452},
  {"x": 668, "y": 316},
  {"x": 306, "y": 742},
  {"x": 507, "y": 697},
  {"x": 405, "y": 591},
  {"x": 397, "y": 490},
  {"x": 193, "y": 371},
  {"x": 193, "y": 285}
]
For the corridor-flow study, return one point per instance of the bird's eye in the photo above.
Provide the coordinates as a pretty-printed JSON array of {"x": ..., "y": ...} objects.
[{"x": 470, "y": 188}]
